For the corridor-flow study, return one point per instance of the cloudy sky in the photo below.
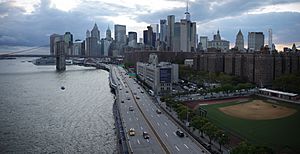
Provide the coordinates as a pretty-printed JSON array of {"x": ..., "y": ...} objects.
[{"x": 30, "y": 22}]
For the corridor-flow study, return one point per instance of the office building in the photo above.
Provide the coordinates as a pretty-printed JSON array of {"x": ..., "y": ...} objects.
[
  {"x": 270, "y": 42},
  {"x": 163, "y": 30},
  {"x": 204, "y": 42},
  {"x": 105, "y": 45},
  {"x": 92, "y": 42},
  {"x": 92, "y": 46},
  {"x": 255, "y": 41},
  {"x": 185, "y": 35},
  {"x": 155, "y": 30},
  {"x": 159, "y": 76},
  {"x": 170, "y": 32},
  {"x": 78, "y": 47},
  {"x": 68, "y": 38},
  {"x": 239, "y": 41},
  {"x": 149, "y": 37},
  {"x": 120, "y": 34},
  {"x": 53, "y": 39},
  {"x": 218, "y": 43},
  {"x": 132, "y": 39},
  {"x": 108, "y": 34},
  {"x": 95, "y": 32}
]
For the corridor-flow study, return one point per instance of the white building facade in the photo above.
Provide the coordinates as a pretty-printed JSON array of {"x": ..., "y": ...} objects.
[{"x": 159, "y": 77}]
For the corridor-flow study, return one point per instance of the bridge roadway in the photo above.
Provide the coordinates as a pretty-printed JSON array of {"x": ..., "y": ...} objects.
[{"x": 162, "y": 130}]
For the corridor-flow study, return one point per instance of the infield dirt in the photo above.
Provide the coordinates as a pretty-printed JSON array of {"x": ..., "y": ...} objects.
[{"x": 258, "y": 110}]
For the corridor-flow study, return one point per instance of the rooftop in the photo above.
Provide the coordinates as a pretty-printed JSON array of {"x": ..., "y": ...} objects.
[{"x": 278, "y": 92}]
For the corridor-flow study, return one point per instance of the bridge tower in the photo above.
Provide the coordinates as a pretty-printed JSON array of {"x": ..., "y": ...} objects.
[{"x": 60, "y": 56}]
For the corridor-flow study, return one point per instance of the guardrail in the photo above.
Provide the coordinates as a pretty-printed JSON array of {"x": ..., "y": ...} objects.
[{"x": 124, "y": 146}]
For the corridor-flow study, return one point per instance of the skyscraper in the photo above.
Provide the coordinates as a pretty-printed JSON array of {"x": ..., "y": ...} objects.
[
  {"x": 95, "y": 32},
  {"x": 92, "y": 46},
  {"x": 163, "y": 30},
  {"x": 170, "y": 32},
  {"x": 177, "y": 37},
  {"x": 108, "y": 34},
  {"x": 155, "y": 30},
  {"x": 53, "y": 39},
  {"x": 149, "y": 36},
  {"x": 255, "y": 41},
  {"x": 120, "y": 34},
  {"x": 132, "y": 39},
  {"x": 204, "y": 41},
  {"x": 92, "y": 42},
  {"x": 270, "y": 43},
  {"x": 68, "y": 38},
  {"x": 187, "y": 36},
  {"x": 239, "y": 41},
  {"x": 78, "y": 47}
]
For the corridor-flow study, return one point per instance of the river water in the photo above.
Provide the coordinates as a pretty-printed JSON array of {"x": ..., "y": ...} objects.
[{"x": 37, "y": 116}]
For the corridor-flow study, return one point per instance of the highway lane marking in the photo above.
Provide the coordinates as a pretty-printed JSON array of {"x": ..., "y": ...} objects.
[
  {"x": 148, "y": 140},
  {"x": 166, "y": 134},
  {"x": 127, "y": 112},
  {"x": 174, "y": 133},
  {"x": 151, "y": 115},
  {"x": 129, "y": 119},
  {"x": 157, "y": 123},
  {"x": 166, "y": 124},
  {"x": 152, "y": 109},
  {"x": 186, "y": 146},
  {"x": 141, "y": 128},
  {"x": 177, "y": 148},
  {"x": 138, "y": 141},
  {"x": 137, "y": 118}
]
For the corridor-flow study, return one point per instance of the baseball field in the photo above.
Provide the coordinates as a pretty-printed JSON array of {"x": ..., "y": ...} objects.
[{"x": 260, "y": 121}]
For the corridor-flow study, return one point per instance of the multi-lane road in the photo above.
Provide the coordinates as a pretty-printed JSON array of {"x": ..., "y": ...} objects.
[{"x": 139, "y": 112}]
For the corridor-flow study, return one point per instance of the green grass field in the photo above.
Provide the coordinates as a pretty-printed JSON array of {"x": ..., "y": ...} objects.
[{"x": 277, "y": 134}]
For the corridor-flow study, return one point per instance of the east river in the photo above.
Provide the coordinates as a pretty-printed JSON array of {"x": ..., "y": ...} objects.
[{"x": 37, "y": 116}]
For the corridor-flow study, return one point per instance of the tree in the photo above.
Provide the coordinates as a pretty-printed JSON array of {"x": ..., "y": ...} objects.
[
  {"x": 199, "y": 123},
  {"x": 210, "y": 130},
  {"x": 222, "y": 138}
]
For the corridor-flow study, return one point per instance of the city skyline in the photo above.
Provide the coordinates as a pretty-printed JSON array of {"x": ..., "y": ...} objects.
[{"x": 32, "y": 22}]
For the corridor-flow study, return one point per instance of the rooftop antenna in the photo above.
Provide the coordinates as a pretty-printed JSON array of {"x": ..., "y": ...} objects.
[{"x": 187, "y": 14}]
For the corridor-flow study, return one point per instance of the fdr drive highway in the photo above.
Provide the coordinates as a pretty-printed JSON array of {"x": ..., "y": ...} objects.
[{"x": 146, "y": 128}]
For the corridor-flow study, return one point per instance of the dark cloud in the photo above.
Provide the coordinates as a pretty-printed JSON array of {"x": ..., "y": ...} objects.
[
  {"x": 203, "y": 10},
  {"x": 17, "y": 28}
]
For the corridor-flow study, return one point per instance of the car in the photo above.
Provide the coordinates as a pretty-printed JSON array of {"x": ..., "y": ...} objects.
[
  {"x": 130, "y": 108},
  {"x": 146, "y": 135},
  {"x": 127, "y": 91},
  {"x": 120, "y": 88},
  {"x": 179, "y": 133},
  {"x": 142, "y": 91},
  {"x": 122, "y": 101},
  {"x": 131, "y": 132},
  {"x": 128, "y": 98},
  {"x": 158, "y": 111},
  {"x": 137, "y": 97},
  {"x": 134, "y": 93},
  {"x": 138, "y": 87}
]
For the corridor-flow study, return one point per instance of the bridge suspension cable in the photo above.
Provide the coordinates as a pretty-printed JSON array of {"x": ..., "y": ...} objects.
[{"x": 24, "y": 50}]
